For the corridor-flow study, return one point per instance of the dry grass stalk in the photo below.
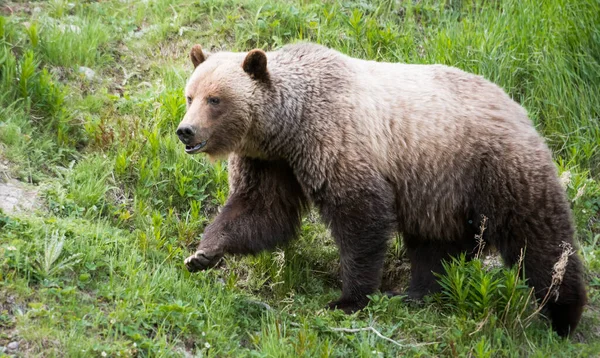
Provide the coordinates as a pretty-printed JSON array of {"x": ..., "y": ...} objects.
[
  {"x": 479, "y": 237},
  {"x": 558, "y": 273},
  {"x": 403, "y": 345}
]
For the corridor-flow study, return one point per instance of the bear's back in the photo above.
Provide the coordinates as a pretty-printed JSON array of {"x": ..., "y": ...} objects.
[{"x": 395, "y": 105}]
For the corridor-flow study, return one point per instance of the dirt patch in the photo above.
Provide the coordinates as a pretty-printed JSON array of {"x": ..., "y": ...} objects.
[
  {"x": 11, "y": 8},
  {"x": 15, "y": 196}
]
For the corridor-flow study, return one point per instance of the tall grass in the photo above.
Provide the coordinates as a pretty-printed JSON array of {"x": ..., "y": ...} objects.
[{"x": 126, "y": 204}]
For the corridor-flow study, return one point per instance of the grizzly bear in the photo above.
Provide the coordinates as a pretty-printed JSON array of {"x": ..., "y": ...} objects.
[{"x": 378, "y": 148}]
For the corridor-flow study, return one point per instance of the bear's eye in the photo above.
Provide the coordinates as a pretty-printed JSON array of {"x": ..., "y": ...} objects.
[
  {"x": 189, "y": 100},
  {"x": 213, "y": 100}
]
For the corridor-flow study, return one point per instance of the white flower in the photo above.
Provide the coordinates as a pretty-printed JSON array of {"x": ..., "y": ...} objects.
[
  {"x": 103, "y": 354},
  {"x": 207, "y": 345},
  {"x": 203, "y": 334}
]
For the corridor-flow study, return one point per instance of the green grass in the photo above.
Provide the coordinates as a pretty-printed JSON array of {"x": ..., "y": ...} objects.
[{"x": 98, "y": 269}]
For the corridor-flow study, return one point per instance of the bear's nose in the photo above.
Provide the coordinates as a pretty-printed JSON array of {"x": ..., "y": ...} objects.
[{"x": 185, "y": 134}]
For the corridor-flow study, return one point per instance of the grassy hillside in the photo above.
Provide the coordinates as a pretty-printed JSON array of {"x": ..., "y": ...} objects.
[{"x": 90, "y": 96}]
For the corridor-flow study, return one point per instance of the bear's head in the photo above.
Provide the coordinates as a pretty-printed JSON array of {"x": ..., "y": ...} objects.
[{"x": 221, "y": 95}]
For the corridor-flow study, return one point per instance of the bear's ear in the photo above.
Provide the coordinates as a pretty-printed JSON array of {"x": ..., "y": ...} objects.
[
  {"x": 255, "y": 64},
  {"x": 197, "y": 55}
]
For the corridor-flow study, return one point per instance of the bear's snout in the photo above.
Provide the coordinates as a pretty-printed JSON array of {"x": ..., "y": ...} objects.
[{"x": 186, "y": 134}]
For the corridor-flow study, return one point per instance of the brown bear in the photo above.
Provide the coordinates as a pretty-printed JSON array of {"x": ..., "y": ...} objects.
[{"x": 378, "y": 148}]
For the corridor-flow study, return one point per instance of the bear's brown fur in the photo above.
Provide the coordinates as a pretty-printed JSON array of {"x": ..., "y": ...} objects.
[{"x": 378, "y": 148}]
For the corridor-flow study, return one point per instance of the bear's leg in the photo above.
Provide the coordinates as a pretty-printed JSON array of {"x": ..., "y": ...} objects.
[
  {"x": 426, "y": 257},
  {"x": 361, "y": 225},
  {"x": 565, "y": 312},
  {"x": 564, "y": 305},
  {"x": 529, "y": 213},
  {"x": 264, "y": 209}
]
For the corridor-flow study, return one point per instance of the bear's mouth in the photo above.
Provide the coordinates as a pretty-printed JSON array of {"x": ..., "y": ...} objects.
[{"x": 194, "y": 149}]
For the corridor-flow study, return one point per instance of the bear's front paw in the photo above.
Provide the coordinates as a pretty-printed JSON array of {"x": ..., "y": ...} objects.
[
  {"x": 202, "y": 260},
  {"x": 407, "y": 296},
  {"x": 348, "y": 306}
]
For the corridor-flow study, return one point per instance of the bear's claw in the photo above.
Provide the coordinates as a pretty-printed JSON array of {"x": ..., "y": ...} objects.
[
  {"x": 202, "y": 260},
  {"x": 348, "y": 306}
]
